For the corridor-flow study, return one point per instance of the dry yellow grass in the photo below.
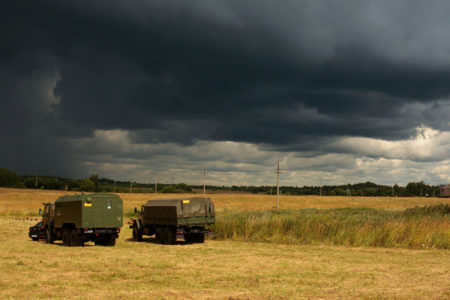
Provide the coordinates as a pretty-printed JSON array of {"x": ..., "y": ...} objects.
[
  {"x": 220, "y": 270},
  {"x": 216, "y": 269},
  {"x": 23, "y": 201}
]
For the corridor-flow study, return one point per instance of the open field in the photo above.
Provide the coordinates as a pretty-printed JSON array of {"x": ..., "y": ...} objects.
[
  {"x": 236, "y": 265},
  {"x": 23, "y": 202},
  {"x": 216, "y": 269}
]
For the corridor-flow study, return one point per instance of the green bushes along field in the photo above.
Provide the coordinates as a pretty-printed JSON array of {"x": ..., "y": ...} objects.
[{"x": 419, "y": 227}]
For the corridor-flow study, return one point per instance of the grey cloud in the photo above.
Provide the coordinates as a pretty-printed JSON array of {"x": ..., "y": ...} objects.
[{"x": 289, "y": 76}]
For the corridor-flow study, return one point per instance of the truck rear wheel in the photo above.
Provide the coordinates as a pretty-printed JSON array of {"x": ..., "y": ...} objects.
[
  {"x": 199, "y": 238},
  {"x": 137, "y": 234},
  {"x": 168, "y": 236},
  {"x": 111, "y": 241},
  {"x": 74, "y": 238},
  {"x": 158, "y": 235},
  {"x": 66, "y": 237}
]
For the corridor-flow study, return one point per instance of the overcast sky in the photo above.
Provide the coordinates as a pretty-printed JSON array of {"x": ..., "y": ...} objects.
[{"x": 337, "y": 91}]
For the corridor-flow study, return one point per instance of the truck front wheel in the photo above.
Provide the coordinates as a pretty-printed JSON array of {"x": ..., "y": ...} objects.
[
  {"x": 48, "y": 237},
  {"x": 137, "y": 234}
]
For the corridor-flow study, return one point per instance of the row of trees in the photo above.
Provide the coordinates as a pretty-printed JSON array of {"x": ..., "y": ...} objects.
[{"x": 9, "y": 178}]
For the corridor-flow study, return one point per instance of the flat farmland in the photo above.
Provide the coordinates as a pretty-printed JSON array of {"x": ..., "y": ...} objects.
[
  {"x": 232, "y": 268},
  {"x": 214, "y": 270},
  {"x": 22, "y": 202}
]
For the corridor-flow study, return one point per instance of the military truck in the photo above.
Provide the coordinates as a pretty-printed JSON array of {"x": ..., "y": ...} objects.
[
  {"x": 174, "y": 219},
  {"x": 77, "y": 219}
]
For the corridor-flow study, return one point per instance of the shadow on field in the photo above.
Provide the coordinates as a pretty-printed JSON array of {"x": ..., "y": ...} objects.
[
  {"x": 152, "y": 240},
  {"x": 60, "y": 244}
]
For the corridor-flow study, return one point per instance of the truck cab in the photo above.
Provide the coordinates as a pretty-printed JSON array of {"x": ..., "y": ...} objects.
[
  {"x": 48, "y": 216},
  {"x": 48, "y": 219}
]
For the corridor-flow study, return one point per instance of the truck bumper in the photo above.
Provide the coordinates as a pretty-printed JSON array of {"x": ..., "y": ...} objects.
[
  {"x": 181, "y": 233},
  {"x": 91, "y": 234}
]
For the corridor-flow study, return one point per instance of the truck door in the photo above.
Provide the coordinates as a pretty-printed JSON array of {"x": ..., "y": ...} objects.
[{"x": 46, "y": 214}]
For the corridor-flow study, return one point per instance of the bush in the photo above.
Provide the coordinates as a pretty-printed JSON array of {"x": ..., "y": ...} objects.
[{"x": 87, "y": 185}]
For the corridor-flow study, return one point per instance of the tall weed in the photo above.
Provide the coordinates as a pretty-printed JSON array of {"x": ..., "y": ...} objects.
[{"x": 419, "y": 227}]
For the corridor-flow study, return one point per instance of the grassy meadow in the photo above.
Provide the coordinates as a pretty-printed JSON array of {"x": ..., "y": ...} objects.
[
  {"x": 419, "y": 227},
  {"x": 214, "y": 270},
  {"x": 26, "y": 202},
  {"x": 314, "y": 247}
]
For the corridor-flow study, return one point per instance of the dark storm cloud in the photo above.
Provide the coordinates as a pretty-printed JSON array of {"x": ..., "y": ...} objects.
[{"x": 285, "y": 75}]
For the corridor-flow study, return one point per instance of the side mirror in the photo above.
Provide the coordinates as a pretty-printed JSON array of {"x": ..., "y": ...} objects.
[
  {"x": 135, "y": 210},
  {"x": 40, "y": 211}
]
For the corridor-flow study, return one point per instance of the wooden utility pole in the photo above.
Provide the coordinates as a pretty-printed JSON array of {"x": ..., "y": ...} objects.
[
  {"x": 115, "y": 187},
  {"x": 278, "y": 185},
  {"x": 320, "y": 186},
  {"x": 204, "y": 182},
  {"x": 131, "y": 185},
  {"x": 156, "y": 187},
  {"x": 36, "y": 182}
]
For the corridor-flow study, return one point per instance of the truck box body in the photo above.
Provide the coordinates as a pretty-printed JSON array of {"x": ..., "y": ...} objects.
[
  {"x": 99, "y": 210},
  {"x": 179, "y": 211}
]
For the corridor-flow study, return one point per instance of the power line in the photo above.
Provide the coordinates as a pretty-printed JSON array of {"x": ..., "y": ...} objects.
[
  {"x": 204, "y": 182},
  {"x": 278, "y": 185},
  {"x": 348, "y": 192},
  {"x": 320, "y": 186},
  {"x": 131, "y": 185}
]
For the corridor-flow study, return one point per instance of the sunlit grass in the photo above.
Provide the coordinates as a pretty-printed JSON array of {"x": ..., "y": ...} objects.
[
  {"x": 420, "y": 227},
  {"x": 23, "y": 202},
  {"x": 216, "y": 269},
  {"x": 295, "y": 260}
]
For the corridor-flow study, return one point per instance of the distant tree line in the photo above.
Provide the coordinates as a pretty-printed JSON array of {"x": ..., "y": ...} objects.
[{"x": 10, "y": 178}]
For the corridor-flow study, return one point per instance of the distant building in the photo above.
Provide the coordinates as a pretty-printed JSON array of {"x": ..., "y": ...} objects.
[{"x": 445, "y": 190}]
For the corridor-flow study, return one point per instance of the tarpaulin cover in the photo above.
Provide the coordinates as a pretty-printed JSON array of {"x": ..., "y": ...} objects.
[{"x": 180, "y": 208}]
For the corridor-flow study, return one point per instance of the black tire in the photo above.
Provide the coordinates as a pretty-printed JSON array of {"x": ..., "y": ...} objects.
[
  {"x": 188, "y": 239},
  {"x": 137, "y": 234},
  {"x": 48, "y": 236},
  {"x": 35, "y": 239},
  {"x": 199, "y": 238},
  {"x": 168, "y": 236},
  {"x": 74, "y": 238},
  {"x": 158, "y": 235},
  {"x": 106, "y": 240},
  {"x": 66, "y": 237},
  {"x": 111, "y": 241}
]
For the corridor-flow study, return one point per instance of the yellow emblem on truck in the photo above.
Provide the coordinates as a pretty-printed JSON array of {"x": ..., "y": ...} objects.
[
  {"x": 185, "y": 201},
  {"x": 88, "y": 204}
]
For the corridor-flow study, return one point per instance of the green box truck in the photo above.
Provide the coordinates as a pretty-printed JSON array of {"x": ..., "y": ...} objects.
[
  {"x": 80, "y": 218},
  {"x": 173, "y": 219}
]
